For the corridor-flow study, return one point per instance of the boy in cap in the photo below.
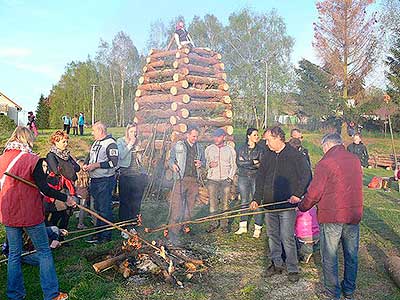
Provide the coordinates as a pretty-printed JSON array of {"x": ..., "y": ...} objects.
[{"x": 221, "y": 168}]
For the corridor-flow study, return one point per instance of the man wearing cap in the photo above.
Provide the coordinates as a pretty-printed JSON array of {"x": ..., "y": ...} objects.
[{"x": 221, "y": 168}]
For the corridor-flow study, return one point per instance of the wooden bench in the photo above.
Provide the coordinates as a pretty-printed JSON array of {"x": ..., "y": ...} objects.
[{"x": 383, "y": 160}]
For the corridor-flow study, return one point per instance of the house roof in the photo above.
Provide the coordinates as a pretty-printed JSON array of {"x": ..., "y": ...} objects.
[{"x": 12, "y": 102}]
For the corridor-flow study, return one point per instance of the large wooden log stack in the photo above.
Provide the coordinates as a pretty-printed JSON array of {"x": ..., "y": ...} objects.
[{"x": 180, "y": 88}]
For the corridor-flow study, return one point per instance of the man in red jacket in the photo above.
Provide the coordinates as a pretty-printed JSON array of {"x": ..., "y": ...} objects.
[{"x": 337, "y": 190}]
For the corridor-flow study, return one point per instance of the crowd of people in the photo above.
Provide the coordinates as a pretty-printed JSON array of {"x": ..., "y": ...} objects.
[
  {"x": 274, "y": 180},
  {"x": 76, "y": 122}
]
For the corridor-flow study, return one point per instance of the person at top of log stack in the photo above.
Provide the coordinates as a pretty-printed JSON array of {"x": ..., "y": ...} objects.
[
  {"x": 359, "y": 149},
  {"x": 101, "y": 163},
  {"x": 337, "y": 189},
  {"x": 182, "y": 36},
  {"x": 186, "y": 159},
  {"x": 62, "y": 170},
  {"x": 295, "y": 133},
  {"x": 248, "y": 161},
  {"x": 221, "y": 168},
  {"x": 132, "y": 176},
  {"x": 283, "y": 174},
  {"x": 21, "y": 207}
]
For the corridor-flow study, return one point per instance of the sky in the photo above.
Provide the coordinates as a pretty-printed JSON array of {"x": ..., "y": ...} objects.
[{"x": 39, "y": 38}]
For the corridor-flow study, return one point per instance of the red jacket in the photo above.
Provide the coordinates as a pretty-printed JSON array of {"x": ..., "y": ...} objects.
[
  {"x": 20, "y": 204},
  {"x": 336, "y": 188}
]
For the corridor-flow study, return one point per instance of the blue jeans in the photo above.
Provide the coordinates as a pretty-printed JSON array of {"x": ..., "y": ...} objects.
[
  {"x": 331, "y": 234},
  {"x": 280, "y": 231},
  {"x": 101, "y": 190},
  {"x": 247, "y": 188},
  {"x": 48, "y": 276}
]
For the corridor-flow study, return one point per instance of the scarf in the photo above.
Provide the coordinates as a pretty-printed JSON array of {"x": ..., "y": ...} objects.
[
  {"x": 64, "y": 154},
  {"x": 18, "y": 146}
]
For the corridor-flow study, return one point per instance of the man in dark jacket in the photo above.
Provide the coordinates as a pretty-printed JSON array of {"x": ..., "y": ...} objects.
[
  {"x": 359, "y": 149},
  {"x": 283, "y": 174},
  {"x": 337, "y": 189}
]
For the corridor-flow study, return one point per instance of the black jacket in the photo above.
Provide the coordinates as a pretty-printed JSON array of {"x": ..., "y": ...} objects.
[
  {"x": 280, "y": 176},
  {"x": 246, "y": 160},
  {"x": 361, "y": 151}
]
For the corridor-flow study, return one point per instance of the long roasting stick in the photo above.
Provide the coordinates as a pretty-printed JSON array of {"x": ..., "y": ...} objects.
[
  {"x": 220, "y": 216},
  {"x": 92, "y": 213}
]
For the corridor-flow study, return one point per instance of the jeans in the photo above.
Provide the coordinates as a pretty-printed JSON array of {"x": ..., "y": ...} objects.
[
  {"x": 331, "y": 234},
  {"x": 101, "y": 190},
  {"x": 131, "y": 190},
  {"x": 219, "y": 190},
  {"x": 247, "y": 188},
  {"x": 80, "y": 129},
  {"x": 48, "y": 276},
  {"x": 280, "y": 230}
]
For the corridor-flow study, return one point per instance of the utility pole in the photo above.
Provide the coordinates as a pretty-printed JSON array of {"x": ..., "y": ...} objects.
[
  {"x": 266, "y": 97},
  {"x": 93, "y": 90}
]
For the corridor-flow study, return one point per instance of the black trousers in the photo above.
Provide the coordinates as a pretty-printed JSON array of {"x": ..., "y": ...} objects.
[
  {"x": 81, "y": 129},
  {"x": 131, "y": 189},
  {"x": 67, "y": 128}
]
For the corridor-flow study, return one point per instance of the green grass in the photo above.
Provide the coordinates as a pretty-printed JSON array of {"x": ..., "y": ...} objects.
[{"x": 236, "y": 264}]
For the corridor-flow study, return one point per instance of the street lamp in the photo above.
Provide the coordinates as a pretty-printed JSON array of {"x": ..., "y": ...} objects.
[{"x": 93, "y": 90}]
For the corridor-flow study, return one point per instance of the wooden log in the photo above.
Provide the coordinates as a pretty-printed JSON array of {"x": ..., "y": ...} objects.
[
  {"x": 200, "y": 105},
  {"x": 160, "y": 113},
  {"x": 227, "y": 114},
  {"x": 148, "y": 69},
  {"x": 193, "y": 92},
  {"x": 162, "y": 127},
  {"x": 156, "y": 64},
  {"x": 168, "y": 53},
  {"x": 163, "y": 98},
  {"x": 204, "y": 60},
  {"x": 150, "y": 106},
  {"x": 220, "y": 77},
  {"x": 202, "y": 79},
  {"x": 392, "y": 266},
  {"x": 108, "y": 262},
  {"x": 204, "y": 51},
  {"x": 196, "y": 69},
  {"x": 183, "y": 60},
  {"x": 209, "y": 138},
  {"x": 164, "y": 86},
  {"x": 199, "y": 121},
  {"x": 223, "y": 87}
]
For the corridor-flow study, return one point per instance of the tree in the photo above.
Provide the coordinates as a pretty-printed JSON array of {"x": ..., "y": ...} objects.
[
  {"x": 207, "y": 32},
  {"x": 43, "y": 113},
  {"x": 316, "y": 95},
  {"x": 393, "y": 73},
  {"x": 345, "y": 38}
]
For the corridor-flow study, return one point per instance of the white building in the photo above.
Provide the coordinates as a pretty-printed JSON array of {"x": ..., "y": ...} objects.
[{"x": 9, "y": 108}]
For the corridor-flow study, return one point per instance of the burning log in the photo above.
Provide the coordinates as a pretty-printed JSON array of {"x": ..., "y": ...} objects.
[{"x": 98, "y": 267}]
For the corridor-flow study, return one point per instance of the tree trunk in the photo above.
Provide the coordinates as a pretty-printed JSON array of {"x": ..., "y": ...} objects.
[
  {"x": 122, "y": 103},
  {"x": 114, "y": 95}
]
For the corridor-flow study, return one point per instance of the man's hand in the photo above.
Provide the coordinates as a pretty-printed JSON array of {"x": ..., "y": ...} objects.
[
  {"x": 197, "y": 163},
  {"x": 253, "y": 205},
  {"x": 175, "y": 168},
  {"x": 213, "y": 164},
  {"x": 60, "y": 205},
  {"x": 70, "y": 201},
  {"x": 294, "y": 199},
  {"x": 91, "y": 167}
]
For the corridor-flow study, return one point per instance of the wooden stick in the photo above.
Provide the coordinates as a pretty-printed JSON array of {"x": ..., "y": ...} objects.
[{"x": 223, "y": 216}]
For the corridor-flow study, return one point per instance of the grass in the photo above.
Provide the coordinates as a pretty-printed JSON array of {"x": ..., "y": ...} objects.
[{"x": 236, "y": 264}]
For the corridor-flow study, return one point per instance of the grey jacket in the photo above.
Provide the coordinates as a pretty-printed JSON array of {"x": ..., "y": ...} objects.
[{"x": 178, "y": 156}]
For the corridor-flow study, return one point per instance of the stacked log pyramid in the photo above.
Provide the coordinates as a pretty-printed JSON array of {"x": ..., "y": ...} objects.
[{"x": 180, "y": 88}]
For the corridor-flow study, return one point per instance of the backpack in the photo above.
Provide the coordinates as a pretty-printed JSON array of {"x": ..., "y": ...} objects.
[{"x": 375, "y": 183}]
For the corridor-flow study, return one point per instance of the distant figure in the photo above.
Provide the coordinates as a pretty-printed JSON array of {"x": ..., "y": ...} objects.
[
  {"x": 182, "y": 37},
  {"x": 359, "y": 149},
  {"x": 296, "y": 134},
  {"x": 74, "y": 123},
  {"x": 32, "y": 123},
  {"x": 67, "y": 123},
  {"x": 351, "y": 128},
  {"x": 81, "y": 122}
]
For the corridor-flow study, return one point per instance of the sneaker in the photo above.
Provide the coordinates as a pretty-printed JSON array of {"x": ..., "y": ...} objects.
[
  {"x": 348, "y": 297},
  {"x": 61, "y": 296},
  {"x": 293, "y": 277},
  {"x": 273, "y": 270}
]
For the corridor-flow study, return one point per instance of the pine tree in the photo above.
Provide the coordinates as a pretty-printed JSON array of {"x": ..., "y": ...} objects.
[{"x": 43, "y": 113}]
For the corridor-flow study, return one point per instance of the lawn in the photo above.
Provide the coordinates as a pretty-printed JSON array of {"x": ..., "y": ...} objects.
[{"x": 236, "y": 264}]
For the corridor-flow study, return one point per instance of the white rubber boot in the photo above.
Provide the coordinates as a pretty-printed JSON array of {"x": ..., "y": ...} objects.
[
  {"x": 257, "y": 231},
  {"x": 242, "y": 228}
]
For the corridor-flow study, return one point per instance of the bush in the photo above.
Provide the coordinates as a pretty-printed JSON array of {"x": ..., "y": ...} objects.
[{"x": 7, "y": 125}]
